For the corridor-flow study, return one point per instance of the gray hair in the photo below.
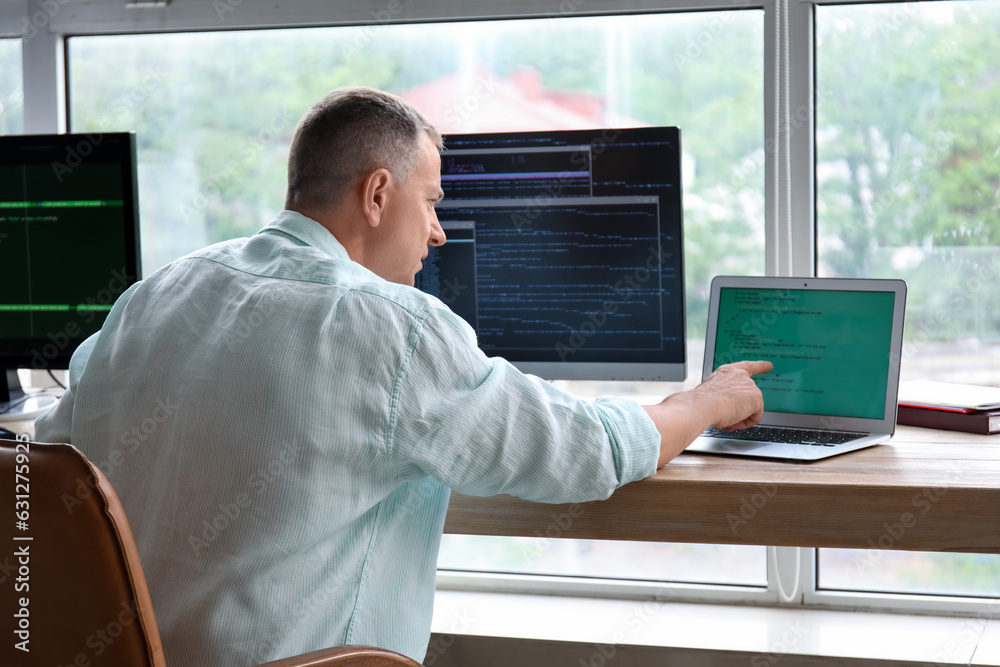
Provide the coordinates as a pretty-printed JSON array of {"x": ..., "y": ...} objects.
[{"x": 347, "y": 135}]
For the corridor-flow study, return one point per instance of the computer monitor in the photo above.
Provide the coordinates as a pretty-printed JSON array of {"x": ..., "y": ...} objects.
[
  {"x": 565, "y": 250},
  {"x": 69, "y": 246}
]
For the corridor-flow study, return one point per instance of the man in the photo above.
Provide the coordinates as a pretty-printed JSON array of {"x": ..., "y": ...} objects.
[{"x": 284, "y": 416}]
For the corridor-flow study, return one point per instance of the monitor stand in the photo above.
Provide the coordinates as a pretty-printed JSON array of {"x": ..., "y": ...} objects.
[{"x": 15, "y": 405}]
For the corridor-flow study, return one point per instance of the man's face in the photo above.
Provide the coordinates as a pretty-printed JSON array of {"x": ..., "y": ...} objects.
[{"x": 409, "y": 223}]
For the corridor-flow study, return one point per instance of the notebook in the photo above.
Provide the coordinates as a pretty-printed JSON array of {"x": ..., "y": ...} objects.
[{"x": 835, "y": 344}]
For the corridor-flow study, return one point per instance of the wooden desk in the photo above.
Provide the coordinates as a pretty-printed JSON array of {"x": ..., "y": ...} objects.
[{"x": 924, "y": 490}]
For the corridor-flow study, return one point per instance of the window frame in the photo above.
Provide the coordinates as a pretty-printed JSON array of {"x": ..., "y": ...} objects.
[
  {"x": 11, "y": 15},
  {"x": 790, "y": 239},
  {"x": 9, "y": 40}
]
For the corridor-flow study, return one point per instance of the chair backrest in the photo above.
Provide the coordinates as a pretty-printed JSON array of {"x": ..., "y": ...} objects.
[
  {"x": 346, "y": 656},
  {"x": 70, "y": 578}
]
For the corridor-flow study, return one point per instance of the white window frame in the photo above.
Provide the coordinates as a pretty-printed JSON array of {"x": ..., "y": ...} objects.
[{"x": 789, "y": 117}]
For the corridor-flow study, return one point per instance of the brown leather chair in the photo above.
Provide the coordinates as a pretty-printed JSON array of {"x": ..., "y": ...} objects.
[{"x": 71, "y": 585}]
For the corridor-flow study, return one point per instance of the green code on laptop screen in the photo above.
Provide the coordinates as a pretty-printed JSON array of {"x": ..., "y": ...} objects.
[{"x": 830, "y": 348}]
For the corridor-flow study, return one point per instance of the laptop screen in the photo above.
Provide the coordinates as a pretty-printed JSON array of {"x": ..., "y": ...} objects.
[{"x": 830, "y": 348}]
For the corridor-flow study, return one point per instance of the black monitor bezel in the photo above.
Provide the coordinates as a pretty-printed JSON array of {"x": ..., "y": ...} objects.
[
  {"x": 632, "y": 369},
  {"x": 118, "y": 147}
]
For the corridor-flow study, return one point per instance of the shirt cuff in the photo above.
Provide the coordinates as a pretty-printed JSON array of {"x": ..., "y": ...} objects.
[{"x": 634, "y": 438}]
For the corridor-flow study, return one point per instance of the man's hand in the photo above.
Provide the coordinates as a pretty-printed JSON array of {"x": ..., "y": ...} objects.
[
  {"x": 728, "y": 398},
  {"x": 740, "y": 402}
]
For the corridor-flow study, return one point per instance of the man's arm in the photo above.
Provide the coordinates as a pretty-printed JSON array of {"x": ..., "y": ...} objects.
[
  {"x": 728, "y": 398},
  {"x": 56, "y": 425}
]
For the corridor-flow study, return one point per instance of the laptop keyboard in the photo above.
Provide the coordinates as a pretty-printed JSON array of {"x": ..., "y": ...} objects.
[{"x": 793, "y": 436}]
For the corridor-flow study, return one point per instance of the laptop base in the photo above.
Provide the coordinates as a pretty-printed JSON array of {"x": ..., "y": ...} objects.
[{"x": 779, "y": 450}]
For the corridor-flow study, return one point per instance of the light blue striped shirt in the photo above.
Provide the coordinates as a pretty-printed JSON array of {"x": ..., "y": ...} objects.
[{"x": 283, "y": 427}]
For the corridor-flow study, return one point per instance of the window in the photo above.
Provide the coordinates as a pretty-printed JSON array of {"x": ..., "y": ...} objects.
[
  {"x": 906, "y": 171},
  {"x": 11, "y": 90},
  {"x": 908, "y": 185},
  {"x": 214, "y": 124}
]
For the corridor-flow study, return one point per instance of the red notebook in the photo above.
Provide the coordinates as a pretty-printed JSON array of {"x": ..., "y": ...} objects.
[{"x": 986, "y": 422}]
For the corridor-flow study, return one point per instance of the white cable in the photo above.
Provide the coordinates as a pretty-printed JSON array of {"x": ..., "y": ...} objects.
[
  {"x": 777, "y": 575},
  {"x": 783, "y": 202}
]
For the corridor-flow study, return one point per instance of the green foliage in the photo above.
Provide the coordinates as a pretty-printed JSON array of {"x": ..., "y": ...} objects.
[
  {"x": 907, "y": 156},
  {"x": 907, "y": 149},
  {"x": 204, "y": 99}
]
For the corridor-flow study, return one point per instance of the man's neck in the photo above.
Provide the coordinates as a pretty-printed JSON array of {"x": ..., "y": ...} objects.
[{"x": 340, "y": 227}]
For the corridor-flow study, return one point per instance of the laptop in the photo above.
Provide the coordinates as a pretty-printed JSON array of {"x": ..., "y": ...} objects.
[{"x": 835, "y": 344}]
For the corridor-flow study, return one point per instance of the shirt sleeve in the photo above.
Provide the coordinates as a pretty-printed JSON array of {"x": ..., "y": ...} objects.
[
  {"x": 56, "y": 425},
  {"x": 483, "y": 428}
]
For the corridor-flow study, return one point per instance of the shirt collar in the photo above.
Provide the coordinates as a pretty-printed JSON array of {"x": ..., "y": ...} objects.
[{"x": 306, "y": 231}]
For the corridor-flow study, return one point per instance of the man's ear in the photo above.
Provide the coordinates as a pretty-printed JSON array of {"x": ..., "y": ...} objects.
[{"x": 375, "y": 192}]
